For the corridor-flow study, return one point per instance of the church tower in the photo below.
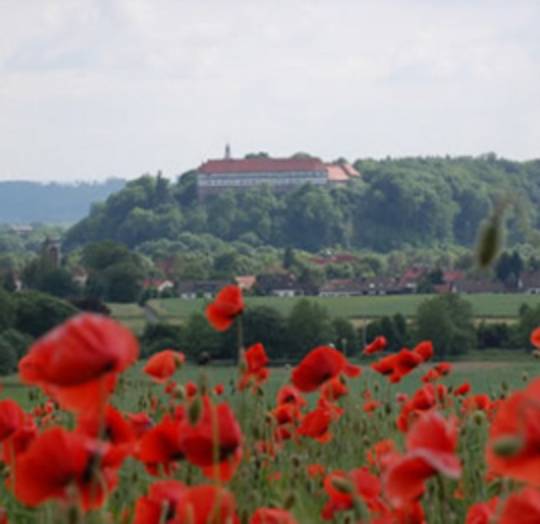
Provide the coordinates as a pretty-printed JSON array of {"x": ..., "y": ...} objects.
[{"x": 227, "y": 151}]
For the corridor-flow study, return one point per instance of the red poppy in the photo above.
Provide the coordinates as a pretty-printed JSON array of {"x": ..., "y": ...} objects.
[
  {"x": 227, "y": 305},
  {"x": 334, "y": 389},
  {"x": 161, "y": 366},
  {"x": 140, "y": 423},
  {"x": 386, "y": 365},
  {"x": 374, "y": 347},
  {"x": 255, "y": 371},
  {"x": 160, "y": 505},
  {"x": 219, "y": 389},
  {"x": 370, "y": 406},
  {"x": 406, "y": 360},
  {"x": 522, "y": 507},
  {"x": 513, "y": 448},
  {"x": 286, "y": 414},
  {"x": 204, "y": 504},
  {"x": 315, "y": 470},
  {"x": 78, "y": 361},
  {"x": 12, "y": 418},
  {"x": 378, "y": 455},
  {"x": 160, "y": 447},
  {"x": 443, "y": 368},
  {"x": 56, "y": 462},
  {"x": 425, "y": 350},
  {"x": 431, "y": 445},
  {"x": 342, "y": 487},
  {"x": 190, "y": 389},
  {"x": 318, "y": 366},
  {"x": 111, "y": 427},
  {"x": 214, "y": 443},
  {"x": 472, "y": 403},
  {"x": 462, "y": 390},
  {"x": 272, "y": 516},
  {"x": 535, "y": 338},
  {"x": 290, "y": 395},
  {"x": 482, "y": 512},
  {"x": 316, "y": 425}
]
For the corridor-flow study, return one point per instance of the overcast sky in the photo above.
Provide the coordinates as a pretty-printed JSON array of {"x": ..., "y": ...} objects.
[{"x": 92, "y": 89}]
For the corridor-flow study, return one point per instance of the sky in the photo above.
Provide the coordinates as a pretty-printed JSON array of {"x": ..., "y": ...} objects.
[{"x": 91, "y": 89}]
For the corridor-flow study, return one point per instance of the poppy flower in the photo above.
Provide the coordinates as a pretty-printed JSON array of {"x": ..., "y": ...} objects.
[
  {"x": 255, "y": 362},
  {"x": 77, "y": 362},
  {"x": 535, "y": 338},
  {"x": 462, "y": 390},
  {"x": 214, "y": 443},
  {"x": 272, "y": 516},
  {"x": 227, "y": 305},
  {"x": 334, "y": 389},
  {"x": 161, "y": 366},
  {"x": 111, "y": 427},
  {"x": 431, "y": 445},
  {"x": 315, "y": 470},
  {"x": 386, "y": 365},
  {"x": 522, "y": 507},
  {"x": 140, "y": 423},
  {"x": 12, "y": 418},
  {"x": 56, "y": 462},
  {"x": 319, "y": 365},
  {"x": 425, "y": 350},
  {"x": 286, "y": 414},
  {"x": 159, "y": 506},
  {"x": 513, "y": 448},
  {"x": 290, "y": 395},
  {"x": 376, "y": 455},
  {"x": 160, "y": 447},
  {"x": 370, "y": 406},
  {"x": 204, "y": 504},
  {"x": 374, "y": 347},
  {"x": 316, "y": 425},
  {"x": 406, "y": 360},
  {"x": 190, "y": 389},
  {"x": 342, "y": 488},
  {"x": 481, "y": 402},
  {"x": 219, "y": 389},
  {"x": 482, "y": 512}
]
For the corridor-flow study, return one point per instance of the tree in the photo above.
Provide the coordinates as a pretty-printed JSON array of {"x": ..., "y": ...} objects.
[
  {"x": 8, "y": 357},
  {"x": 157, "y": 337},
  {"x": 266, "y": 325},
  {"x": 7, "y": 310},
  {"x": 346, "y": 337},
  {"x": 529, "y": 320},
  {"x": 123, "y": 282},
  {"x": 308, "y": 326},
  {"x": 36, "y": 313},
  {"x": 199, "y": 337},
  {"x": 446, "y": 320}
]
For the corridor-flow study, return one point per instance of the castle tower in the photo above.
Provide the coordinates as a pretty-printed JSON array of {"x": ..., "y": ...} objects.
[{"x": 227, "y": 151}]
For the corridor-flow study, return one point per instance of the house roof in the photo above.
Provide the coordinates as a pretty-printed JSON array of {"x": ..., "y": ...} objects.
[
  {"x": 261, "y": 165},
  {"x": 246, "y": 282},
  {"x": 341, "y": 172}
]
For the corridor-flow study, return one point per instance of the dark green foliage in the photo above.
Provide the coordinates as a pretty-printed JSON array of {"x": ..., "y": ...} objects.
[
  {"x": 8, "y": 357},
  {"x": 157, "y": 337},
  {"x": 266, "y": 325},
  {"x": 37, "y": 313},
  {"x": 394, "y": 329},
  {"x": 446, "y": 320},
  {"x": 345, "y": 336},
  {"x": 19, "y": 342},
  {"x": 399, "y": 203},
  {"x": 7, "y": 310},
  {"x": 495, "y": 335},
  {"x": 509, "y": 267},
  {"x": 308, "y": 326},
  {"x": 199, "y": 337},
  {"x": 529, "y": 320}
]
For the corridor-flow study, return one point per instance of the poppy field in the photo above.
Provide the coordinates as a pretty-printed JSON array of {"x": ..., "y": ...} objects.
[{"x": 380, "y": 438}]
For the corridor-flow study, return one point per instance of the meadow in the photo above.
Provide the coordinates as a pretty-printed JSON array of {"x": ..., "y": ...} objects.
[
  {"x": 97, "y": 436},
  {"x": 488, "y": 306}
]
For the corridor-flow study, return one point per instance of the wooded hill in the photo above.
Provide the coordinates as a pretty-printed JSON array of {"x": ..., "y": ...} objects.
[{"x": 408, "y": 202}]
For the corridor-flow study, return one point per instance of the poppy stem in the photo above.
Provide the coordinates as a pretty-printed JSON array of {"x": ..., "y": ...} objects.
[
  {"x": 442, "y": 500},
  {"x": 240, "y": 327}
]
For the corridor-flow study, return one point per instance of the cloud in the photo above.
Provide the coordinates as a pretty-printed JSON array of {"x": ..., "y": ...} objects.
[{"x": 90, "y": 89}]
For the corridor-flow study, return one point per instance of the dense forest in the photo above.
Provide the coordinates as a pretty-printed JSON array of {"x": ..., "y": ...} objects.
[
  {"x": 54, "y": 203},
  {"x": 398, "y": 203}
]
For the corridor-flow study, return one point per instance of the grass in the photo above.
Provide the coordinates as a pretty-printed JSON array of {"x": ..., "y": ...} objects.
[{"x": 488, "y": 306}]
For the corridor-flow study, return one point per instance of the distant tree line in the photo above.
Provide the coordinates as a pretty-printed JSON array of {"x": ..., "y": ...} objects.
[{"x": 411, "y": 202}]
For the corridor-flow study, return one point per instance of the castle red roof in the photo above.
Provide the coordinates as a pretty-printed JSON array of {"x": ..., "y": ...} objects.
[{"x": 261, "y": 165}]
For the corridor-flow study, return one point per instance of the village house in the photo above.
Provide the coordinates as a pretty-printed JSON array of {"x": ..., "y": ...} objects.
[{"x": 191, "y": 289}]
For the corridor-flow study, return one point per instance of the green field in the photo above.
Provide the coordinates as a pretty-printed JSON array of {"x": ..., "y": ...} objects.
[{"x": 484, "y": 305}]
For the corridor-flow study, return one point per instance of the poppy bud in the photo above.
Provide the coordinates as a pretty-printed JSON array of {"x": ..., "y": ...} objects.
[
  {"x": 295, "y": 461},
  {"x": 504, "y": 385},
  {"x": 507, "y": 446},
  {"x": 195, "y": 411},
  {"x": 525, "y": 376},
  {"x": 388, "y": 408},
  {"x": 342, "y": 485},
  {"x": 479, "y": 417}
]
